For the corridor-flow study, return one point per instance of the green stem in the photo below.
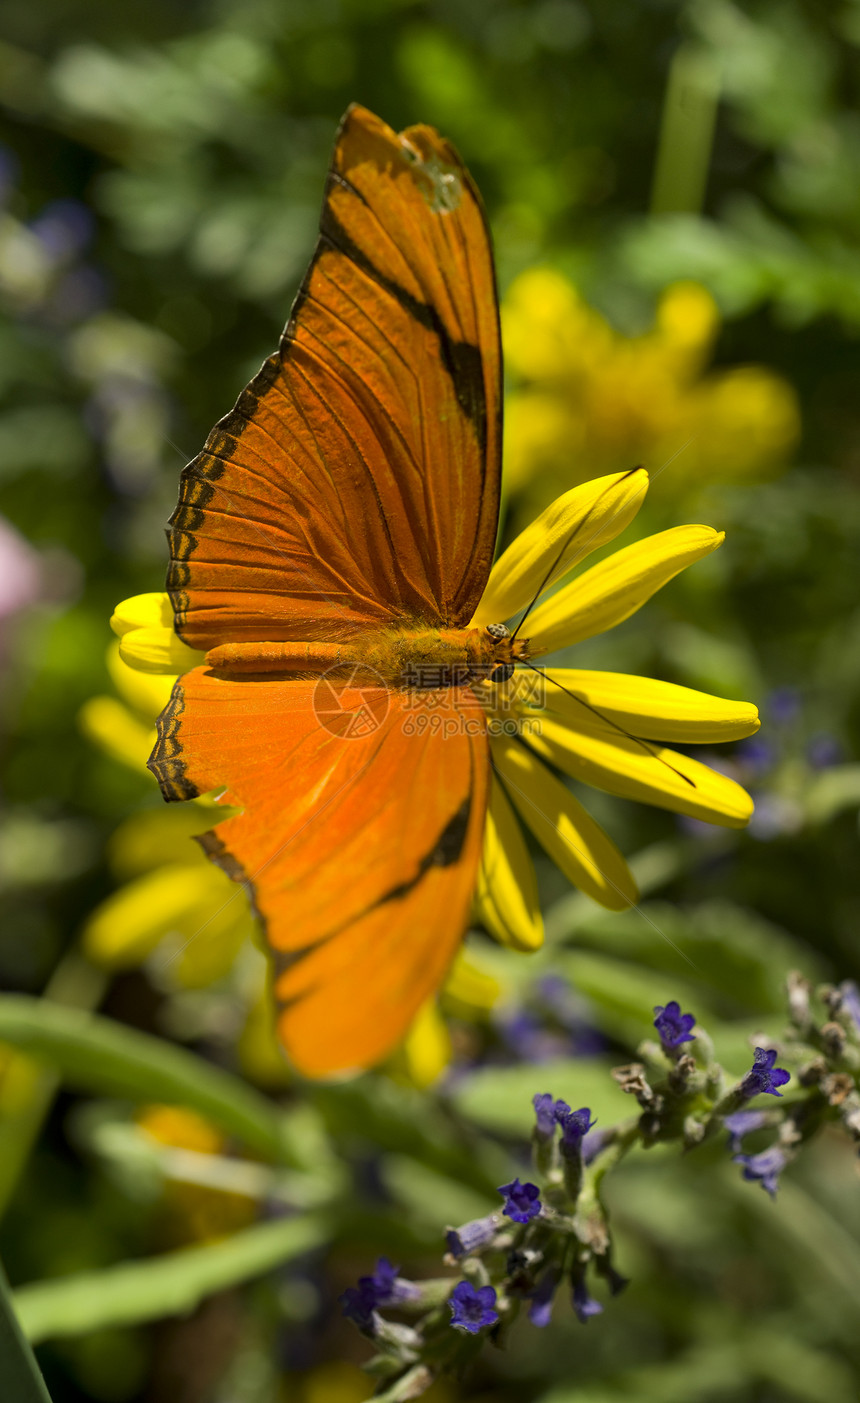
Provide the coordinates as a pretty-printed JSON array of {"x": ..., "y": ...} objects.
[
  {"x": 109, "y": 1058},
  {"x": 27, "y": 1090},
  {"x": 172, "y": 1284},
  {"x": 686, "y": 133},
  {"x": 21, "y": 1376}
]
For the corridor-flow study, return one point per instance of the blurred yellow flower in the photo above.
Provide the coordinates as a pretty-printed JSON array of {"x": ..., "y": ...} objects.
[
  {"x": 195, "y": 1212},
  {"x": 171, "y": 898},
  {"x": 589, "y": 401}
]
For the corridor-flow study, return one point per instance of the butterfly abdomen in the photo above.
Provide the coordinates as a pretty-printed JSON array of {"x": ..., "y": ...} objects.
[{"x": 434, "y": 657}]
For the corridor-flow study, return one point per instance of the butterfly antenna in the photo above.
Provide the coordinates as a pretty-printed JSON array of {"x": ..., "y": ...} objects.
[
  {"x": 614, "y": 725},
  {"x": 565, "y": 546}
]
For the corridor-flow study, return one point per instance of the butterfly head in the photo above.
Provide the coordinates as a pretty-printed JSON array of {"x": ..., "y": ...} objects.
[{"x": 506, "y": 652}]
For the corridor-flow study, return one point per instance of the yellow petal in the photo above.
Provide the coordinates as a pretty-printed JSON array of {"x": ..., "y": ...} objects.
[
  {"x": 261, "y": 1057},
  {"x": 426, "y": 1049},
  {"x": 470, "y": 989},
  {"x": 158, "y": 649},
  {"x": 507, "y": 896},
  {"x": 174, "y": 1125},
  {"x": 198, "y": 905},
  {"x": 610, "y": 592},
  {"x": 145, "y": 691},
  {"x": 155, "y": 837},
  {"x": 655, "y": 710},
  {"x": 639, "y": 770},
  {"x": 117, "y": 730},
  {"x": 570, "y": 529},
  {"x": 578, "y": 845},
  {"x": 152, "y": 610}
]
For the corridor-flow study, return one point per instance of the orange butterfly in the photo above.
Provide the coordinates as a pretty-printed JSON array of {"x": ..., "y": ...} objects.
[
  {"x": 329, "y": 556},
  {"x": 330, "y": 546}
]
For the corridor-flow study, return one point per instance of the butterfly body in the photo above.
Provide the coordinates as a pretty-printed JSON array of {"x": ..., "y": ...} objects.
[{"x": 417, "y": 657}]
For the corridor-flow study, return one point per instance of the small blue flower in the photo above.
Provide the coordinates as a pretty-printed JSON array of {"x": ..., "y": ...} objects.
[
  {"x": 851, "y": 1001},
  {"x": 527, "y": 1037},
  {"x": 594, "y": 1142},
  {"x": 763, "y": 1076},
  {"x": 574, "y": 1126},
  {"x": 389, "y": 1286},
  {"x": 472, "y": 1309},
  {"x": 765, "y": 1167},
  {"x": 471, "y": 1236},
  {"x": 783, "y": 705},
  {"x": 522, "y": 1202},
  {"x": 384, "y": 1287},
  {"x": 584, "y": 1305},
  {"x": 823, "y": 751},
  {"x": 540, "y": 1310},
  {"x": 383, "y": 1278},
  {"x": 673, "y": 1026},
  {"x": 741, "y": 1123},
  {"x": 545, "y": 1115},
  {"x": 358, "y": 1303}
]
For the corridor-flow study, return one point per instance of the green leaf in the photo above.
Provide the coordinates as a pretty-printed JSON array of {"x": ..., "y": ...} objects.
[
  {"x": 829, "y": 793},
  {"x": 107, "y": 1058},
  {"x": 163, "y": 1286},
  {"x": 22, "y": 1380},
  {"x": 726, "y": 959},
  {"x": 500, "y": 1098}
]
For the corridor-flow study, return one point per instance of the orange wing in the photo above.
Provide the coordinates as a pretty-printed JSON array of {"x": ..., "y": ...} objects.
[
  {"x": 361, "y": 850},
  {"x": 356, "y": 480}
]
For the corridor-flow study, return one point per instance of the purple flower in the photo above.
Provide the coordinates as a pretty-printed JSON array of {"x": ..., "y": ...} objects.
[
  {"x": 783, "y": 705},
  {"x": 763, "y": 1076},
  {"x": 384, "y": 1287},
  {"x": 20, "y": 571},
  {"x": 471, "y": 1310},
  {"x": 851, "y": 1001},
  {"x": 741, "y": 1123},
  {"x": 358, "y": 1303},
  {"x": 574, "y": 1126},
  {"x": 594, "y": 1142},
  {"x": 471, "y": 1236},
  {"x": 823, "y": 751},
  {"x": 389, "y": 1286},
  {"x": 765, "y": 1167},
  {"x": 522, "y": 1202},
  {"x": 530, "y": 1040},
  {"x": 673, "y": 1026},
  {"x": 756, "y": 755},
  {"x": 584, "y": 1305},
  {"x": 64, "y": 228},
  {"x": 545, "y": 1114},
  {"x": 540, "y": 1310}
]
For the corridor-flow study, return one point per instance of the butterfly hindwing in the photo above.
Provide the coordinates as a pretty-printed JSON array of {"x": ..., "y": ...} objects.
[
  {"x": 360, "y": 840},
  {"x": 355, "y": 483}
]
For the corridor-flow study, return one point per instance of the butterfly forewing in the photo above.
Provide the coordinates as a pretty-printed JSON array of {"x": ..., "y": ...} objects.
[{"x": 355, "y": 482}]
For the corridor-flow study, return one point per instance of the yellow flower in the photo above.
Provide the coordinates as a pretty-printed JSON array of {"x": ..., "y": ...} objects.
[
  {"x": 195, "y": 1211},
  {"x": 172, "y": 899},
  {"x": 606, "y": 729},
  {"x": 148, "y": 641},
  {"x": 591, "y": 401}
]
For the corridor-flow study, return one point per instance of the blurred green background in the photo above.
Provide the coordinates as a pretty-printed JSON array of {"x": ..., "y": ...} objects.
[{"x": 674, "y": 192}]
